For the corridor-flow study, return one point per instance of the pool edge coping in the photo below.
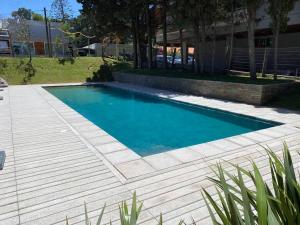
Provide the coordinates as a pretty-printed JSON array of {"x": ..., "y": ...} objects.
[{"x": 136, "y": 166}]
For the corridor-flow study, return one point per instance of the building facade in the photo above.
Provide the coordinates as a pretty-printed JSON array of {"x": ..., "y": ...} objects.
[
  {"x": 32, "y": 36},
  {"x": 289, "y": 43}
]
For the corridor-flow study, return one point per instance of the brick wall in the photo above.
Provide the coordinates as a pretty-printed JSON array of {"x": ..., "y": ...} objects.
[{"x": 247, "y": 93}]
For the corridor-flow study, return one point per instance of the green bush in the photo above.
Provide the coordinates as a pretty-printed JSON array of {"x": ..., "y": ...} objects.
[
  {"x": 27, "y": 70},
  {"x": 275, "y": 204},
  {"x": 104, "y": 74},
  {"x": 3, "y": 65}
]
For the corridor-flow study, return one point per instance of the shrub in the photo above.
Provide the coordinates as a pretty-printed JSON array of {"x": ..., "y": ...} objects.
[
  {"x": 266, "y": 204},
  {"x": 104, "y": 74},
  {"x": 3, "y": 65},
  {"x": 63, "y": 61},
  {"x": 27, "y": 70}
]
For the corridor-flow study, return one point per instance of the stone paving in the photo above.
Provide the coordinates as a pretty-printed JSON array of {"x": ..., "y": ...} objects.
[{"x": 57, "y": 160}]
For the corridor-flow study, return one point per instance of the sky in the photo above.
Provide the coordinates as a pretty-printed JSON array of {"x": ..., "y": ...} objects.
[{"x": 7, "y": 6}]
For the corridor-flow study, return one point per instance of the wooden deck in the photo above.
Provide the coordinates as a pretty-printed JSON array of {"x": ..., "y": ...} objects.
[{"x": 57, "y": 160}]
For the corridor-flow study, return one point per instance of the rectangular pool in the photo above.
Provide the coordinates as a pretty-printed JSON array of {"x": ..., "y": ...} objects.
[{"x": 150, "y": 125}]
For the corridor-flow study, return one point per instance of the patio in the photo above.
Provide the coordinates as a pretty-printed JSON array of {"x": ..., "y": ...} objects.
[{"x": 57, "y": 160}]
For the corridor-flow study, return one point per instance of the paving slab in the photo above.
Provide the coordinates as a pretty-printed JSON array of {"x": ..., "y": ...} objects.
[{"x": 56, "y": 160}]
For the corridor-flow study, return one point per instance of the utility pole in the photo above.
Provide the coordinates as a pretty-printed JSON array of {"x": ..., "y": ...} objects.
[{"x": 47, "y": 31}]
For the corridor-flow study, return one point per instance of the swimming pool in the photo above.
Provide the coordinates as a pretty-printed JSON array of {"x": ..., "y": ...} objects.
[{"x": 148, "y": 124}]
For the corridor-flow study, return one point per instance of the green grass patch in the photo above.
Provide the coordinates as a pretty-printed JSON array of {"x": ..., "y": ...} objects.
[
  {"x": 190, "y": 75},
  {"x": 51, "y": 70}
]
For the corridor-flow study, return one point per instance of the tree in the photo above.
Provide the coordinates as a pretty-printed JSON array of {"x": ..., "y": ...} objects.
[
  {"x": 279, "y": 10},
  {"x": 124, "y": 20},
  {"x": 199, "y": 16},
  {"x": 179, "y": 19},
  {"x": 37, "y": 17},
  {"x": 61, "y": 10},
  {"x": 216, "y": 14},
  {"x": 19, "y": 27},
  {"x": 231, "y": 17},
  {"x": 251, "y": 7},
  {"x": 22, "y": 13},
  {"x": 164, "y": 8}
]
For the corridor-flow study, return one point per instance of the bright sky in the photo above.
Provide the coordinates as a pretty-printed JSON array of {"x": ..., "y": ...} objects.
[{"x": 7, "y": 6}]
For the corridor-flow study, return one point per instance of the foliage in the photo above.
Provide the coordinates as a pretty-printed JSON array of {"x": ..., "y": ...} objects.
[
  {"x": 87, "y": 219},
  {"x": 126, "y": 217},
  {"x": 265, "y": 204},
  {"x": 278, "y": 11},
  {"x": 37, "y": 17},
  {"x": 66, "y": 59},
  {"x": 84, "y": 24},
  {"x": 104, "y": 74},
  {"x": 3, "y": 65},
  {"x": 61, "y": 10},
  {"x": 22, "y": 13},
  {"x": 19, "y": 26},
  {"x": 27, "y": 70}
]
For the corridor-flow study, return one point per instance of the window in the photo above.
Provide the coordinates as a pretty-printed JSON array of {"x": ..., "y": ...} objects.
[{"x": 3, "y": 44}]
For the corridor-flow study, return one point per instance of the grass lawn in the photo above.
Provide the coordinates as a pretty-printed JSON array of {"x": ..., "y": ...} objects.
[
  {"x": 49, "y": 70},
  {"x": 187, "y": 74}
]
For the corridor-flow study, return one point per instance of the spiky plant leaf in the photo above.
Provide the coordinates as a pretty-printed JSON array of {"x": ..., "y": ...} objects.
[
  {"x": 101, "y": 215},
  {"x": 86, "y": 214},
  {"x": 261, "y": 197}
]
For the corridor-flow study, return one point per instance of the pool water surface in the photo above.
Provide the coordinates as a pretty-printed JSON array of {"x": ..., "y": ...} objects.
[{"x": 148, "y": 124}]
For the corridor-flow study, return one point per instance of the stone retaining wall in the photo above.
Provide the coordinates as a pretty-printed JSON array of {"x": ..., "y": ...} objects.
[{"x": 247, "y": 93}]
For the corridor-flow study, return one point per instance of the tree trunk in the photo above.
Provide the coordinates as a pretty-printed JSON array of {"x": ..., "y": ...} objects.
[
  {"x": 197, "y": 48},
  {"x": 138, "y": 42},
  {"x": 265, "y": 62},
  {"x": 149, "y": 49},
  {"x": 251, "y": 40},
  {"x": 181, "y": 48},
  {"x": 203, "y": 47},
  {"x": 135, "y": 58},
  {"x": 229, "y": 62},
  {"x": 173, "y": 57},
  {"x": 276, "y": 40},
  {"x": 214, "y": 49},
  {"x": 164, "y": 21}
]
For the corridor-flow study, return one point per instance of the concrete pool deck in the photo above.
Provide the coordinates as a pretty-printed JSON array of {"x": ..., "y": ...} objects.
[{"x": 56, "y": 159}]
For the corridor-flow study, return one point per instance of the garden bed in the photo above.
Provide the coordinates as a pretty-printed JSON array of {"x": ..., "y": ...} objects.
[{"x": 257, "y": 94}]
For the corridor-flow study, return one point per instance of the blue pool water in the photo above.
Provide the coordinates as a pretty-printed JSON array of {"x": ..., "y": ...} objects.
[{"x": 150, "y": 125}]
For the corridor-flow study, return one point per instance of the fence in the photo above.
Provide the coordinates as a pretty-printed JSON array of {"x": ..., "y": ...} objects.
[{"x": 288, "y": 60}]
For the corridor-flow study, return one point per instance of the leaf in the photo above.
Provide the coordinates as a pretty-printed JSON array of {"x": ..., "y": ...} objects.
[
  {"x": 248, "y": 214},
  {"x": 261, "y": 198},
  {"x": 86, "y": 214},
  {"x": 101, "y": 215},
  {"x": 67, "y": 221}
]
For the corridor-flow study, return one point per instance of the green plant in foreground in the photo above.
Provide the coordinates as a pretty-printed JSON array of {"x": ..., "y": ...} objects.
[
  {"x": 265, "y": 204},
  {"x": 104, "y": 74},
  {"x": 127, "y": 217}
]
